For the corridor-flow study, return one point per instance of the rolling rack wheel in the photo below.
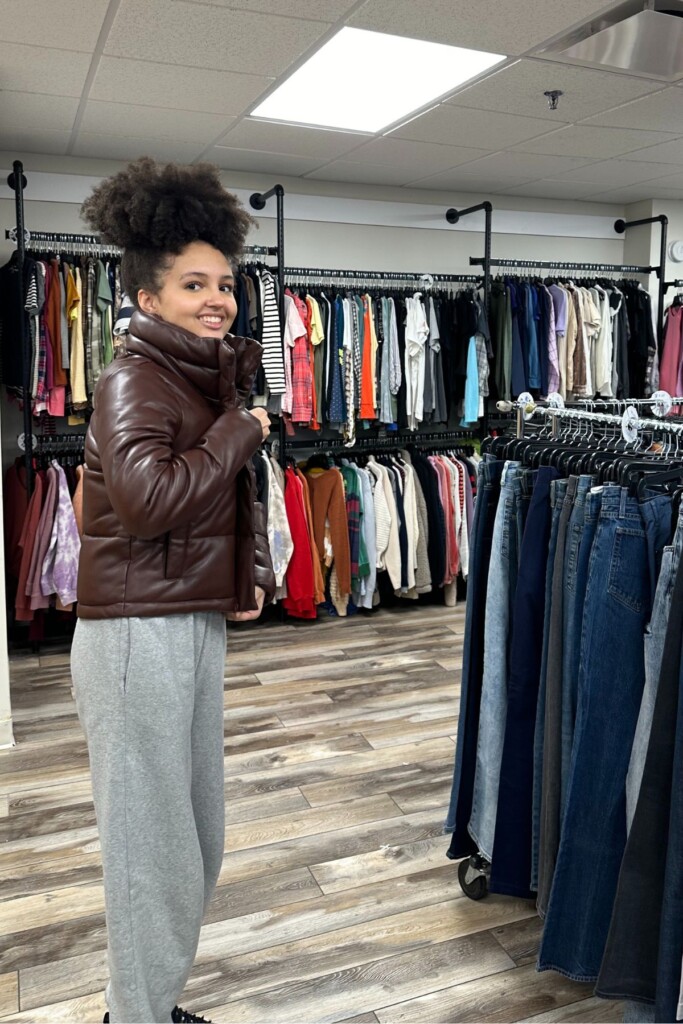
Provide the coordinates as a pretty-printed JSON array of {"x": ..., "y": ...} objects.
[{"x": 473, "y": 875}]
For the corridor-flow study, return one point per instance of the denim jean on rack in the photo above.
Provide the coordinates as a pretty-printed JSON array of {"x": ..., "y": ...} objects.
[
  {"x": 630, "y": 964},
  {"x": 511, "y": 864},
  {"x": 549, "y": 829},
  {"x": 557, "y": 493},
  {"x": 671, "y": 930},
  {"x": 655, "y": 635},
  {"x": 460, "y": 809},
  {"x": 611, "y": 679},
  {"x": 583, "y": 523},
  {"x": 502, "y": 582}
]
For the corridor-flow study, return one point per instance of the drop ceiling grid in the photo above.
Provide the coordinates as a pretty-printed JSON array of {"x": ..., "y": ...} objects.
[{"x": 179, "y": 78}]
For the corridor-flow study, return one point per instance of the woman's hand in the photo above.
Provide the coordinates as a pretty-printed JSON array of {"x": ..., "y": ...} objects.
[
  {"x": 264, "y": 419},
  {"x": 249, "y": 616}
]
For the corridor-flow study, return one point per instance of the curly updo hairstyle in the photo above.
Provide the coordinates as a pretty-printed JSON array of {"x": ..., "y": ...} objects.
[{"x": 153, "y": 211}]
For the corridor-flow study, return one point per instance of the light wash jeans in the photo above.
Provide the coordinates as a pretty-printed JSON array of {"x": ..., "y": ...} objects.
[
  {"x": 493, "y": 712},
  {"x": 655, "y": 634}
]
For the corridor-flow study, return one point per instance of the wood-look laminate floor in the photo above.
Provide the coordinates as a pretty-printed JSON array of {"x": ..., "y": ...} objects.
[{"x": 336, "y": 901}]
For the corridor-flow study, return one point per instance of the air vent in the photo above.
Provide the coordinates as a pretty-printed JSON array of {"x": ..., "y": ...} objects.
[{"x": 641, "y": 42}]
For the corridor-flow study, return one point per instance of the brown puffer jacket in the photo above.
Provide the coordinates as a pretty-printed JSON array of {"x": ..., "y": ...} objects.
[{"x": 170, "y": 520}]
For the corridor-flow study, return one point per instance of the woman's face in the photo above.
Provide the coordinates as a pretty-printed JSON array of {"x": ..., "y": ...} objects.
[{"x": 197, "y": 292}]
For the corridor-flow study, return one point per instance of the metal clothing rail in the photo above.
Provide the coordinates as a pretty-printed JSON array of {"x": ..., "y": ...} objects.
[
  {"x": 257, "y": 201},
  {"x": 625, "y": 268},
  {"x": 659, "y": 426},
  {"x": 673, "y": 284},
  {"x": 17, "y": 182},
  {"x": 621, "y": 226},
  {"x": 453, "y": 216},
  {"x": 379, "y": 275},
  {"x": 444, "y": 438}
]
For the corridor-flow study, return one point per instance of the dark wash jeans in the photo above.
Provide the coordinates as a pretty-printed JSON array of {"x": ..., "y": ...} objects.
[
  {"x": 611, "y": 678},
  {"x": 637, "y": 936},
  {"x": 557, "y": 493},
  {"x": 460, "y": 809},
  {"x": 549, "y": 829},
  {"x": 511, "y": 864}
]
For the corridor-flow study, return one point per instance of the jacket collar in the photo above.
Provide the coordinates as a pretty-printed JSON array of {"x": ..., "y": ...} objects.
[{"x": 194, "y": 357}]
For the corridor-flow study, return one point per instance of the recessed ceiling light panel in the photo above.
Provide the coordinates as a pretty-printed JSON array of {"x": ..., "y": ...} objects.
[{"x": 365, "y": 81}]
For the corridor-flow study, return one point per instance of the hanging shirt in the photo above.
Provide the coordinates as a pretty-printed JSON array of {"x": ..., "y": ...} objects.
[
  {"x": 417, "y": 332},
  {"x": 367, "y": 391},
  {"x": 271, "y": 339},
  {"x": 294, "y": 328}
]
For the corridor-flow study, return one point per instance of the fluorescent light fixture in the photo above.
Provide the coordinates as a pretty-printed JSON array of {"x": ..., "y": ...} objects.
[{"x": 364, "y": 81}]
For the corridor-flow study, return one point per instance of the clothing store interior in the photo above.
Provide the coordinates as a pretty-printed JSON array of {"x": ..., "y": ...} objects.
[{"x": 451, "y": 738}]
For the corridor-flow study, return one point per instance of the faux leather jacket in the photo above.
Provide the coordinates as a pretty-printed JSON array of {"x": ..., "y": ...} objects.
[{"x": 170, "y": 520}]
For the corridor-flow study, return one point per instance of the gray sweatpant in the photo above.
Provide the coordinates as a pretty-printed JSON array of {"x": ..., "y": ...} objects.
[{"x": 150, "y": 699}]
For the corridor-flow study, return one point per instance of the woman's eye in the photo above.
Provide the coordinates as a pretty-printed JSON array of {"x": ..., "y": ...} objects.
[
  {"x": 228, "y": 288},
  {"x": 192, "y": 285}
]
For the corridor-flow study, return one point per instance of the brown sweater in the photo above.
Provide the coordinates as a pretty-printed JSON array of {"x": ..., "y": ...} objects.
[
  {"x": 318, "y": 579},
  {"x": 329, "y": 502}
]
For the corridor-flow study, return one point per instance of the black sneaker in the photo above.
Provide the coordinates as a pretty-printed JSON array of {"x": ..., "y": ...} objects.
[{"x": 180, "y": 1016}]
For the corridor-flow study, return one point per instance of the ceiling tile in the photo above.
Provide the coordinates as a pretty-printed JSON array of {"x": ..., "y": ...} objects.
[
  {"x": 670, "y": 181},
  {"x": 550, "y": 189},
  {"x": 119, "y": 147},
  {"x": 37, "y": 69},
  {"x": 17, "y": 141},
  {"x": 160, "y": 85},
  {"x": 176, "y": 32},
  {"x": 459, "y": 179},
  {"x": 315, "y": 10},
  {"x": 663, "y": 112},
  {"x": 268, "y": 163},
  {"x": 666, "y": 153},
  {"x": 617, "y": 173},
  {"x": 519, "y": 90},
  {"x": 591, "y": 141},
  {"x": 634, "y": 194},
  {"x": 67, "y": 25},
  {"x": 417, "y": 158},
  {"x": 365, "y": 174},
  {"x": 486, "y": 25},
  {"x": 32, "y": 111},
  {"x": 530, "y": 165},
  {"x": 269, "y": 137},
  {"x": 455, "y": 126},
  {"x": 152, "y": 122}
]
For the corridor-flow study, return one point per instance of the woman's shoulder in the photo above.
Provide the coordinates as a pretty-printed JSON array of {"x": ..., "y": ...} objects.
[{"x": 131, "y": 375}]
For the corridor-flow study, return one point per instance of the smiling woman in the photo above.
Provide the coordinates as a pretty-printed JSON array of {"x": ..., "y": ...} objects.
[{"x": 174, "y": 541}]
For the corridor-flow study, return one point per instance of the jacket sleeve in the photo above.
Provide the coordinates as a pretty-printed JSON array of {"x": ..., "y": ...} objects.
[
  {"x": 264, "y": 575},
  {"x": 153, "y": 489}
]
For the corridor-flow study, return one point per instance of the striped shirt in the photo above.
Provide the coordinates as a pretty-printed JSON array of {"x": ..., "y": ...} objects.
[{"x": 271, "y": 339}]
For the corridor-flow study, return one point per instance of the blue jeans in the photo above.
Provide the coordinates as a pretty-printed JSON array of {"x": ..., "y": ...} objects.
[
  {"x": 611, "y": 680},
  {"x": 580, "y": 533},
  {"x": 460, "y": 809},
  {"x": 655, "y": 635},
  {"x": 502, "y": 582},
  {"x": 511, "y": 864},
  {"x": 557, "y": 493},
  {"x": 630, "y": 964},
  {"x": 549, "y": 831},
  {"x": 671, "y": 930}
]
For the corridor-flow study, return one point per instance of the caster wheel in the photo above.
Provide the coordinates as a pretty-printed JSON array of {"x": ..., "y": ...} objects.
[{"x": 472, "y": 880}]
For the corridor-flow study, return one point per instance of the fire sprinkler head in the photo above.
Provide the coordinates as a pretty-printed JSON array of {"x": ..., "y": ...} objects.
[{"x": 553, "y": 96}]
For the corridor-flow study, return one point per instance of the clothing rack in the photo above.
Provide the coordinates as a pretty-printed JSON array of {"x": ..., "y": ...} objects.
[
  {"x": 453, "y": 216},
  {"x": 17, "y": 182},
  {"x": 608, "y": 268},
  {"x": 621, "y": 226},
  {"x": 445, "y": 438},
  {"x": 673, "y": 284},
  {"x": 258, "y": 201},
  {"x": 380, "y": 275},
  {"x": 660, "y": 426}
]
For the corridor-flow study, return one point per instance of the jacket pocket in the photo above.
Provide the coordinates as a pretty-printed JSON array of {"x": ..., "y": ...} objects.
[{"x": 175, "y": 555}]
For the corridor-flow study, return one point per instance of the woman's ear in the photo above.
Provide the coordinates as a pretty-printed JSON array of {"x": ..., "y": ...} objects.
[{"x": 148, "y": 302}]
